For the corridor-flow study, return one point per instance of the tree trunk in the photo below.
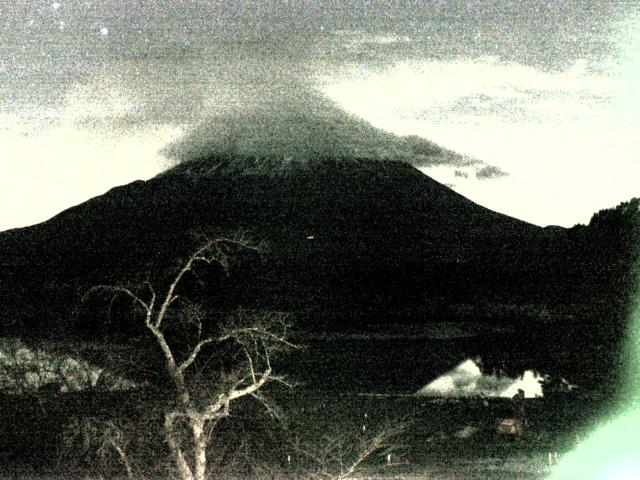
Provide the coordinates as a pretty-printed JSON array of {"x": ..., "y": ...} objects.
[
  {"x": 124, "y": 460},
  {"x": 200, "y": 445},
  {"x": 174, "y": 445}
]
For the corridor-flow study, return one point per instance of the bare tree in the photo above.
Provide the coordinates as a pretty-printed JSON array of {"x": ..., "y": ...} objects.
[
  {"x": 254, "y": 339},
  {"x": 340, "y": 457},
  {"x": 90, "y": 435}
]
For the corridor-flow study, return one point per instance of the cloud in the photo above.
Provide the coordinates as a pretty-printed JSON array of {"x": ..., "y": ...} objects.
[
  {"x": 575, "y": 122},
  {"x": 258, "y": 97},
  {"x": 56, "y": 157},
  {"x": 275, "y": 78},
  {"x": 410, "y": 93},
  {"x": 300, "y": 135},
  {"x": 133, "y": 108},
  {"x": 490, "y": 172}
]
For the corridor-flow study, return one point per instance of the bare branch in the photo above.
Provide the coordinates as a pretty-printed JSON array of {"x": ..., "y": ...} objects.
[
  {"x": 117, "y": 289},
  {"x": 123, "y": 458},
  {"x": 174, "y": 372},
  {"x": 375, "y": 444},
  {"x": 330, "y": 459},
  {"x": 260, "y": 332},
  {"x": 217, "y": 409},
  {"x": 194, "y": 354},
  {"x": 282, "y": 380},
  {"x": 250, "y": 363},
  {"x": 147, "y": 283},
  {"x": 198, "y": 256},
  {"x": 170, "y": 297},
  {"x": 241, "y": 392},
  {"x": 271, "y": 410}
]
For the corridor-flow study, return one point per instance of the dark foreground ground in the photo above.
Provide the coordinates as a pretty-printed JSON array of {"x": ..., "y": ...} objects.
[
  {"x": 435, "y": 438},
  {"x": 326, "y": 420}
]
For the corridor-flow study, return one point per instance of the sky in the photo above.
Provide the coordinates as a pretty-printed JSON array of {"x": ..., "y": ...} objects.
[{"x": 540, "y": 99}]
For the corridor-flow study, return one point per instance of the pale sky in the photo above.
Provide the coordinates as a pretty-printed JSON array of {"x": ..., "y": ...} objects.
[{"x": 94, "y": 94}]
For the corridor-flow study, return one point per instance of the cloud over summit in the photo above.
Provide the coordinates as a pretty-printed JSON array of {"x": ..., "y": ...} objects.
[{"x": 302, "y": 135}]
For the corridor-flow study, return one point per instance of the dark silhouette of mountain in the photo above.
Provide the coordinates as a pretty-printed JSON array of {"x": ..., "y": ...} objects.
[
  {"x": 363, "y": 216},
  {"x": 350, "y": 244}
]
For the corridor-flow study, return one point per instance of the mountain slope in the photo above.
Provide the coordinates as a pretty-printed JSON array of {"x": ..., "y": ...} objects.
[
  {"x": 350, "y": 244},
  {"x": 362, "y": 216}
]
